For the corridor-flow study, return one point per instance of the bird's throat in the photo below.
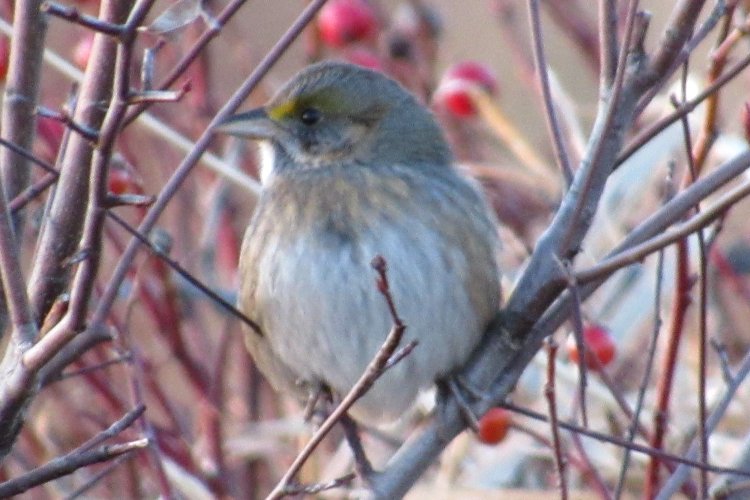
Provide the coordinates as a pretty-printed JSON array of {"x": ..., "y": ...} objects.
[{"x": 267, "y": 161}]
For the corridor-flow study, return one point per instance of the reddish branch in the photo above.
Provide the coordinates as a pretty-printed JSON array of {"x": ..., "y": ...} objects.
[{"x": 669, "y": 362}]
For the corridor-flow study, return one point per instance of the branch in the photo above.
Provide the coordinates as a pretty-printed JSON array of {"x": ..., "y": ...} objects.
[
  {"x": 80, "y": 457},
  {"x": 84, "y": 279},
  {"x": 608, "y": 47},
  {"x": 539, "y": 304},
  {"x": 680, "y": 475},
  {"x": 63, "y": 226},
  {"x": 640, "y": 251},
  {"x": 182, "y": 171},
  {"x": 67, "y": 464},
  {"x": 21, "y": 96},
  {"x": 384, "y": 359},
  {"x": 553, "y": 125}
]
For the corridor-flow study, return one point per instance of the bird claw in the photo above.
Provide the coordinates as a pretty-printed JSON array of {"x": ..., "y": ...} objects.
[
  {"x": 318, "y": 395},
  {"x": 320, "y": 398},
  {"x": 362, "y": 465},
  {"x": 459, "y": 389}
]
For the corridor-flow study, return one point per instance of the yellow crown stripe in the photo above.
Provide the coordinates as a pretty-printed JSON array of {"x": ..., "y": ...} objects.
[{"x": 283, "y": 110}]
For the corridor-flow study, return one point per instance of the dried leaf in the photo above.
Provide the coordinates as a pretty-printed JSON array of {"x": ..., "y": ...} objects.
[{"x": 179, "y": 15}]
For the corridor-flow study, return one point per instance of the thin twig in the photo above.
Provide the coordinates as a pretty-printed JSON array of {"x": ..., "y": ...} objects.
[
  {"x": 696, "y": 157},
  {"x": 685, "y": 462},
  {"x": 638, "y": 252},
  {"x": 182, "y": 171},
  {"x": 372, "y": 373},
  {"x": 114, "y": 429},
  {"x": 678, "y": 477},
  {"x": 645, "y": 136},
  {"x": 651, "y": 353},
  {"x": 94, "y": 480},
  {"x": 185, "y": 273},
  {"x": 80, "y": 457},
  {"x": 589, "y": 470},
  {"x": 680, "y": 304},
  {"x": 553, "y": 126},
  {"x": 314, "y": 489},
  {"x": 690, "y": 45},
  {"x": 190, "y": 56},
  {"x": 583, "y": 352},
  {"x": 608, "y": 48},
  {"x": 67, "y": 464},
  {"x": 549, "y": 393},
  {"x": 106, "y": 364},
  {"x": 73, "y": 15}
]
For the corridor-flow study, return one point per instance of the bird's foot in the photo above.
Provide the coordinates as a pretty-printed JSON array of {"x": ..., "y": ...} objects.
[
  {"x": 460, "y": 389},
  {"x": 464, "y": 395},
  {"x": 318, "y": 404},
  {"x": 362, "y": 465}
]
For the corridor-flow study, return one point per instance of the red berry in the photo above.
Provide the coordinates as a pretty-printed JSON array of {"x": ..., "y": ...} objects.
[
  {"x": 494, "y": 425},
  {"x": 82, "y": 50},
  {"x": 50, "y": 134},
  {"x": 345, "y": 21},
  {"x": 454, "y": 91},
  {"x": 474, "y": 72},
  {"x": 4, "y": 57},
  {"x": 119, "y": 181},
  {"x": 455, "y": 97},
  {"x": 599, "y": 344}
]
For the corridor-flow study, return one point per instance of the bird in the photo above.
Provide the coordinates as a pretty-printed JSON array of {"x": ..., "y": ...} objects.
[{"x": 353, "y": 166}]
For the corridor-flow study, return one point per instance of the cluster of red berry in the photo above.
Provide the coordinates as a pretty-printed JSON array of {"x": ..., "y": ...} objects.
[{"x": 347, "y": 24}]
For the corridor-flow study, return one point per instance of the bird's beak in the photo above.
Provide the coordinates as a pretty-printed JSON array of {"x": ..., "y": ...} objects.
[{"x": 254, "y": 124}]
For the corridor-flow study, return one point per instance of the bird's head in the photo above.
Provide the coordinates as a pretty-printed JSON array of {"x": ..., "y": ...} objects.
[{"x": 335, "y": 113}]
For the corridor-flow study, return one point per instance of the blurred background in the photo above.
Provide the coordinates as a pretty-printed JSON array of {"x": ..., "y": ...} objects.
[{"x": 217, "y": 429}]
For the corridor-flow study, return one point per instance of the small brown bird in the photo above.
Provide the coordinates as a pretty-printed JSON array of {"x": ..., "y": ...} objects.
[{"x": 353, "y": 166}]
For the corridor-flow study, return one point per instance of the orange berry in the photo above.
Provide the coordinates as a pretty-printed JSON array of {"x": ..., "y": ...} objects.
[
  {"x": 599, "y": 346},
  {"x": 494, "y": 425}
]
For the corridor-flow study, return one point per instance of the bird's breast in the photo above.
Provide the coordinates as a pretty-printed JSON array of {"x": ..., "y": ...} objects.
[
  {"x": 308, "y": 279},
  {"x": 341, "y": 208}
]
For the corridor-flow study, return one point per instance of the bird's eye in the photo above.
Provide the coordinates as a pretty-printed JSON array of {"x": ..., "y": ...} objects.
[{"x": 310, "y": 116}]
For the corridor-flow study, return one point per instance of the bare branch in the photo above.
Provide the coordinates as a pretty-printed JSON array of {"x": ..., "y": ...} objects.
[
  {"x": 553, "y": 126},
  {"x": 67, "y": 464},
  {"x": 201, "y": 145},
  {"x": 80, "y": 457},
  {"x": 64, "y": 222},
  {"x": 21, "y": 94},
  {"x": 375, "y": 369}
]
